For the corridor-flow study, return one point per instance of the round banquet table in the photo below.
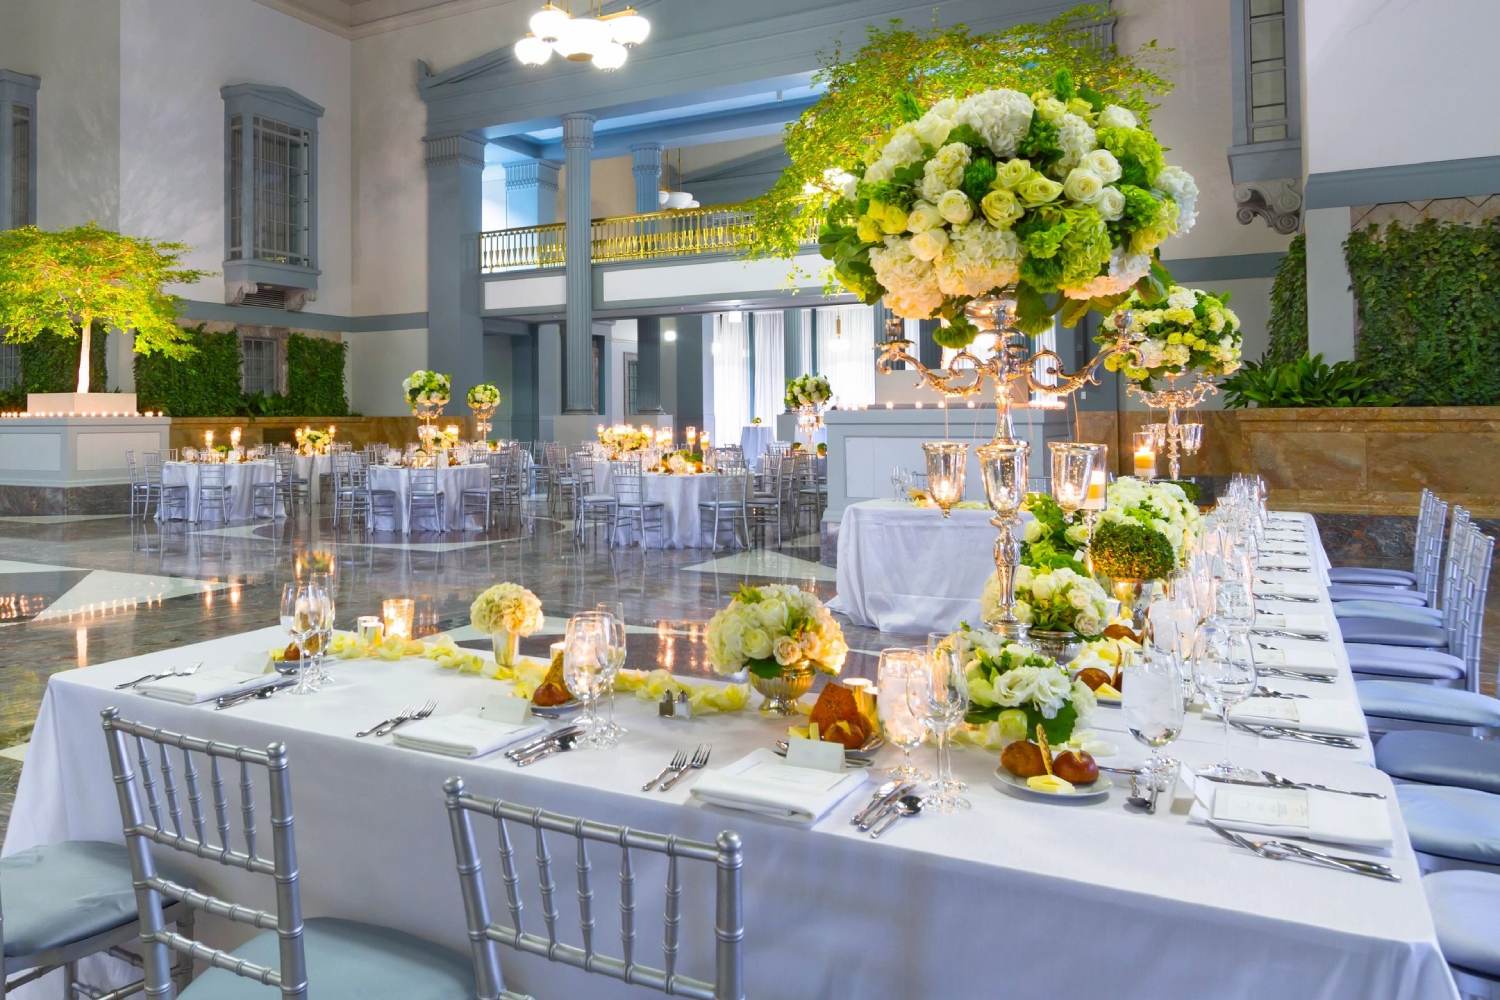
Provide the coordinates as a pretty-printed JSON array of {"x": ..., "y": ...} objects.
[
  {"x": 451, "y": 482},
  {"x": 313, "y": 468},
  {"x": 240, "y": 477},
  {"x": 908, "y": 570},
  {"x": 680, "y": 496},
  {"x": 754, "y": 438}
]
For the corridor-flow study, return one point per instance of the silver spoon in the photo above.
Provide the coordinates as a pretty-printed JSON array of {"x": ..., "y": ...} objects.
[
  {"x": 561, "y": 745},
  {"x": 1138, "y": 800},
  {"x": 906, "y": 805}
]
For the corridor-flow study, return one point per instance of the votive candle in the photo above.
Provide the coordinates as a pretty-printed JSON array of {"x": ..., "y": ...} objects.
[
  {"x": 1145, "y": 463},
  {"x": 1098, "y": 480},
  {"x": 397, "y": 614}
]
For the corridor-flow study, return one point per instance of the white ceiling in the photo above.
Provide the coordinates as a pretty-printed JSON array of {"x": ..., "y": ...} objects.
[{"x": 355, "y": 18}]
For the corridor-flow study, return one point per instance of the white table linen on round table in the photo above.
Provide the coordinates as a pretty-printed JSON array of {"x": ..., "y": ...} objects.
[
  {"x": 313, "y": 468},
  {"x": 754, "y": 439},
  {"x": 906, "y": 569},
  {"x": 451, "y": 482},
  {"x": 680, "y": 496},
  {"x": 240, "y": 476},
  {"x": 976, "y": 904}
]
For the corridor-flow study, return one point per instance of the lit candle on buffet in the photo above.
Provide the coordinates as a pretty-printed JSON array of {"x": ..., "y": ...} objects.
[
  {"x": 692, "y": 436},
  {"x": 1095, "y": 498},
  {"x": 1145, "y": 463},
  {"x": 234, "y": 437}
]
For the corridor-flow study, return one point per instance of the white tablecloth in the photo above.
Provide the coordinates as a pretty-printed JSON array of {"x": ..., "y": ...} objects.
[
  {"x": 313, "y": 468},
  {"x": 451, "y": 482},
  {"x": 908, "y": 570},
  {"x": 753, "y": 441},
  {"x": 680, "y": 496},
  {"x": 239, "y": 476},
  {"x": 968, "y": 905}
]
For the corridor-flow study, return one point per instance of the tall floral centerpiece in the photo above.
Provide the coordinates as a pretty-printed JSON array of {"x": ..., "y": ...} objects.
[
  {"x": 1144, "y": 534},
  {"x": 427, "y": 393},
  {"x": 783, "y": 636},
  {"x": 1020, "y": 689},
  {"x": 483, "y": 399},
  {"x": 311, "y": 441},
  {"x": 1170, "y": 347},
  {"x": 806, "y": 396},
  {"x": 623, "y": 439},
  {"x": 506, "y": 612}
]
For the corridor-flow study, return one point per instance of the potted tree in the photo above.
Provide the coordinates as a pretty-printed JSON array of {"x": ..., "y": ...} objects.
[{"x": 69, "y": 280}]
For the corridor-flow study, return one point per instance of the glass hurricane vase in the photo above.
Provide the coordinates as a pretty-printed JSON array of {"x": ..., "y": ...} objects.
[{"x": 507, "y": 648}]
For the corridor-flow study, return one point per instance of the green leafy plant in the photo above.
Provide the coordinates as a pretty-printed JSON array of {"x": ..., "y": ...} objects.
[
  {"x": 1046, "y": 544},
  {"x": 65, "y": 282},
  {"x": 1288, "y": 320},
  {"x": 49, "y": 363},
  {"x": 1128, "y": 550},
  {"x": 1306, "y": 381},
  {"x": 204, "y": 383},
  {"x": 1429, "y": 309},
  {"x": 315, "y": 377}
]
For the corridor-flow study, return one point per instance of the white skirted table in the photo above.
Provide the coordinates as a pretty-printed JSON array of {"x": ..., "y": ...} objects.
[
  {"x": 754, "y": 440},
  {"x": 1013, "y": 897},
  {"x": 451, "y": 482},
  {"x": 313, "y": 468},
  {"x": 679, "y": 495},
  {"x": 908, "y": 570},
  {"x": 241, "y": 477}
]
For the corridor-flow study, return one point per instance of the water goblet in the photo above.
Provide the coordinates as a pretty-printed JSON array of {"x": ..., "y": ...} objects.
[
  {"x": 903, "y": 727},
  {"x": 586, "y": 658},
  {"x": 611, "y": 730},
  {"x": 940, "y": 697},
  {"x": 1226, "y": 675},
  {"x": 1153, "y": 707}
]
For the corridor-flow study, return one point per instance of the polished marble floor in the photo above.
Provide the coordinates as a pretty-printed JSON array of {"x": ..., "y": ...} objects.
[{"x": 81, "y": 590}]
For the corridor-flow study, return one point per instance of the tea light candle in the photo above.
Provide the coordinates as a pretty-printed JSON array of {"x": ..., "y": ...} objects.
[
  {"x": 1098, "y": 480},
  {"x": 370, "y": 629},
  {"x": 1145, "y": 463},
  {"x": 397, "y": 613}
]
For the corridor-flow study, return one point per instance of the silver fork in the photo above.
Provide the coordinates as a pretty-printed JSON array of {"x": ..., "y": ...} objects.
[
  {"x": 1265, "y": 692},
  {"x": 1278, "y": 850},
  {"x": 385, "y": 722},
  {"x": 1296, "y": 675},
  {"x": 1291, "y": 633},
  {"x": 174, "y": 672},
  {"x": 679, "y": 761},
  {"x": 1283, "y": 733},
  {"x": 395, "y": 724},
  {"x": 1281, "y": 782},
  {"x": 700, "y": 759}
]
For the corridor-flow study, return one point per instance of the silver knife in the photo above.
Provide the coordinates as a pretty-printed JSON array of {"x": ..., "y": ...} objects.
[
  {"x": 881, "y": 808},
  {"x": 265, "y": 691},
  {"x": 532, "y": 746}
]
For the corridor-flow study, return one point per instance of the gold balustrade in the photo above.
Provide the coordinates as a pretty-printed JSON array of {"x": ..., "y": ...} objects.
[{"x": 648, "y": 236}]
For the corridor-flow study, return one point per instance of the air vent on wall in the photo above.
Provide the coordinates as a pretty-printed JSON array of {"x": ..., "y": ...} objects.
[{"x": 266, "y": 296}]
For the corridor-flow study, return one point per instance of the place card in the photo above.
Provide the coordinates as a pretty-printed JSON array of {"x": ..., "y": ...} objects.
[
  {"x": 1274, "y": 709},
  {"x": 1279, "y": 807},
  {"x": 507, "y": 708},
  {"x": 816, "y": 755}
]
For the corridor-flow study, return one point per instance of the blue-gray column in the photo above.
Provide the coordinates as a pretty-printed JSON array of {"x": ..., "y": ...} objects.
[
  {"x": 794, "y": 336},
  {"x": 928, "y": 351},
  {"x": 578, "y": 144},
  {"x": 531, "y": 193},
  {"x": 646, "y": 166},
  {"x": 455, "y": 334},
  {"x": 648, "y": 364}
]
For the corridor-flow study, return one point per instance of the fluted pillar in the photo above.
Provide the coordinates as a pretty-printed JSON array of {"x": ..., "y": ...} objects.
[
  {"x": 646, "y": 166},
  {"x": 578, "y": 374},
  {"x": 455, "y": 333},
  {"x": 794, "y": 340}
]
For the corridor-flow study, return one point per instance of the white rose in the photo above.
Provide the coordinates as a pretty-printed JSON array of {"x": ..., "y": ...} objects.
[
  {"x": 1022, "y": 611},
  {"x": 1042, "y": 587},
  {"x": 757, "y": 643},
  {"x": 1103, "y": 163},
  {"x": 955, "y": 207},
  {"x": 1110, "y": 203},
  {"x": 1050, "y": 109},
  {"x": 933, "y": 129},
  {"x": 786, "y": 650},
  {"x": 1114, "y": 116},
  {"x": 1078, "y": 598},
  {"x": 1181, "y": 298},
  {"x": 1083, "y": 185},
  {"x": 924, "y": 216},
  {"x": 1023, "y": 576},
  {"x": 929, "y": 244},
  {"x": 1031, "y": 531}
]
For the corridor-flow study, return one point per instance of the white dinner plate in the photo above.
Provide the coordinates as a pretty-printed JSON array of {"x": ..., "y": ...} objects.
[{"x": 1007, "y": 782}]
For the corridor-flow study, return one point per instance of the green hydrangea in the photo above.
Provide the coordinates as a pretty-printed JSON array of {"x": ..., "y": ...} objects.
[
  {"x": 1137, "y": 150},
  {"x": 1062, "y": 246}
]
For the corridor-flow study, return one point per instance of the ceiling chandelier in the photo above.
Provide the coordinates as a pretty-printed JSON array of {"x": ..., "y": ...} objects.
[{"x": 597, "y": 37}]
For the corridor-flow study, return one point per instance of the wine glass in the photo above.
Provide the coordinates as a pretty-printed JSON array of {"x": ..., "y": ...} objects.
[
  {"x": 940, "y": 697},
  {"x": 326, "y": 607},
  {"x": 288, "y": 620},
  {"x": 960, "y": 646},
  {"x": 898, "y": 670},
  {"x": 307, "y": 618},
  {"x": 1153, "y": 706},
  {"x": 1225, "y": 673},
  {"x": 586, "y": 658},
  {"x": 1234, "y": 608},
  {"x": 611, "y": 730}
]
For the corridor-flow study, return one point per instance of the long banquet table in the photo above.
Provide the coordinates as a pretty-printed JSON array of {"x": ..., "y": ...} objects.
[{"x": 1013, "y": 898}]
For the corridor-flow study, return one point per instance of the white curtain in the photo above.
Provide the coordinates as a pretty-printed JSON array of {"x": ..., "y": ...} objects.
[
  {"x": 731, "y": 350},
  {"x": 770, "y": 365},
  {"x": 846, "y": 353}
]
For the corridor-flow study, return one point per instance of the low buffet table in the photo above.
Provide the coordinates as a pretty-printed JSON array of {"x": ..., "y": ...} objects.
[{"x": 1013, "y": 898}]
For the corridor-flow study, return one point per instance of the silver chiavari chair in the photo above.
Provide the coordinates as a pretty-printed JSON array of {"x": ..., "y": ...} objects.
[
  {"x": 727, "y": 505},
  {"x": 169, "y": 499},
  {"x": 592, "y": 508},
  {"x": 289, "y": 486},
  {"x": 140, "y": 489},
  {"x": 634, "y": 508},
  {"x": 213, "y": 493},
  {"x": 424, "y": 495},
  {"x": 291, "y": 955},
  {"x": 726, "y": 855},
  {"x": 477, "y": 501}
]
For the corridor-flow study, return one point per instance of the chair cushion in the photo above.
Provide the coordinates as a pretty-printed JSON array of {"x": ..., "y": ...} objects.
[
  {"x": 349, "y": 961},
  {"x": 1372, "y": 574},
  {"x": 1465, "y": 905},
  {"x": 57, "y": 894},
  {"x": 1405, "y": 661},
  {"x": 1388, "y": 595},
  {"x": 1458, "y": 823},
  {"x": 1387, "y": 612},
  {"x": 1421, "y": 703},
  {"x": 1392, "y": 633},
  {"x": 1435, "y": 758},
  {"x": 598, "y": 498}
]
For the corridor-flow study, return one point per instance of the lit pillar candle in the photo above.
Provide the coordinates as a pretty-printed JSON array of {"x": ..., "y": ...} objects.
[
  {"x": 208, "y": 440},
  {"x": 1145, "y": 463},
  {"x": 1097, "y": 483},
  {"x": 234, "y": 437}
]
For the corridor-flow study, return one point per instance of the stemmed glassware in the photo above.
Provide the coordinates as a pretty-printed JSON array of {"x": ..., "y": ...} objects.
[
  {"x": 1225, "y": 673},
  {"x": 612, "y": 731},
  {"x": 306, "y": 612},
  {"x": 899, "y": 669},
  {"x": 586, "y": 666},
  {"x": 940, "y": 697},
  {"x": 1153, "y": 706}
]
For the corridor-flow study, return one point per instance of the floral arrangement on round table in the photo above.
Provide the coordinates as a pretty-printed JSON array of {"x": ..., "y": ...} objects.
[
  {"x": 426, "y": 390},
  {"x": 506, "y": 612},
  {"x": 1059, "y": 194},
  {"x": 681, "y": 463},
  {"x": 484, "y": 396},
  {"x": 1020, "y": 689},
  {"x": 311, "y": 441},
  {"x": 1060, "y": 605},
  {"x": 1193, "y": 331},
  {"x": 808, "y": 391},
  {"x": 782, "y": 635},
  {"x": 621, "y": 439}
]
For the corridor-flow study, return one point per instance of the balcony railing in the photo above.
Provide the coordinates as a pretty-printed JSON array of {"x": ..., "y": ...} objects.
[{"x": 649, "y": 236}]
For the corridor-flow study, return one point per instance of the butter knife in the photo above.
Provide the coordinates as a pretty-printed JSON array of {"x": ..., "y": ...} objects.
[
  {"x": 231, "y": 700},
  {"x": 881, "y": 808}
]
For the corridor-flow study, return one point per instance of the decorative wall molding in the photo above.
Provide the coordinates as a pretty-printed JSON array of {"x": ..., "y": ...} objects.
[
  {"x": 1473, "y": 211},
  {"x": 200, "y": 311},
  {"x": 527, "y": 174},
  {"x": 1278, "y": 202},
  {"x": 1411, "y": 182},
  {"x": 463, "y": 148}
]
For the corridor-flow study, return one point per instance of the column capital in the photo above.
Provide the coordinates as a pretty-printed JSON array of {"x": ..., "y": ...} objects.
[
  {"x": 578, "y": 131},
  {"x": 461, "y": 148},
  {"x": 532, "y": 173}
]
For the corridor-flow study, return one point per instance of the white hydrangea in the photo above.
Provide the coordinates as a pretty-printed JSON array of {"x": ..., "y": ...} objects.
[
  {"x": 1077, "y": 139},
  {"x": 1002, "y": 116},
  {"x": 1179, "y": 185},
  {"x": 1114, "y": 116},
  {"x": 945, "y": 171},
  {"x": 911, "y": 285},
  {"x": 1125, "y": 269},
  {"x": 979, "y": 258},
  {"x": 1181, "y": 298}
]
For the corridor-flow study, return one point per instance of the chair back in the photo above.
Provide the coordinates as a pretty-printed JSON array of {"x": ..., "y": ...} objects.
[
  {"x": 725, "y": 855},
  {"x": 153, "y": 467},
  {"x": 732, "y": 486},
  {"x": 211, "y": 481},
  {"x": 625, "y": 482},
  {"x": 1458, "y": 542},
  {"x": 131, "y": 468},
  {"x": 1478, "y": 555},
  {"x": 1427, "y": 551},
  {"x": 1426, "y": 527},
  {"x": 151, "y": 817},
  {"x": 424, "y": 482},
  {"x": 582, "y": 466}
]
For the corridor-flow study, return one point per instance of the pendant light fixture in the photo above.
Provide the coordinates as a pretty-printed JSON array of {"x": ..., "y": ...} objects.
[{"x": 597, "y": 37}]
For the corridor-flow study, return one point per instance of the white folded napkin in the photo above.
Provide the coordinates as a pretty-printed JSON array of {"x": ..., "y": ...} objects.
[
  {"x": 1315, "y": 715},
  {"x": 1277, "y": 560},
  {"x": 462, "y": 734},
  {"x": 763, "y": 783},
  {"x": 1327, "y": 817},
  {"x": 1271, "y": 590},
  {"x": 1281, "y": 517},
  {"x": 1294, "y": 622},
  {"x": 1308, "y": 657},
  {"x": 209, "y": 683}
]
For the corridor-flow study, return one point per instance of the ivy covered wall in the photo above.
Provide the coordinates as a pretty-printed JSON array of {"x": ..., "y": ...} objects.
[
  {"x": 50, "y": 364},
  {"x": 207, "y": 382}
]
